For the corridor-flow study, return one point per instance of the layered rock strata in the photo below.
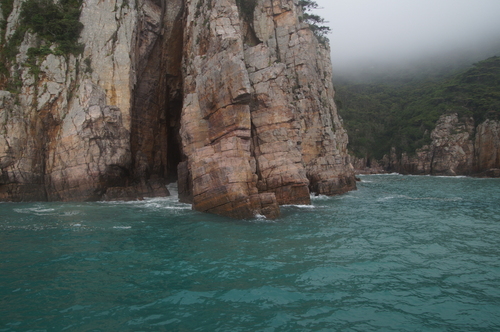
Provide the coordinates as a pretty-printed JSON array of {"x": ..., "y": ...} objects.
[
  {"x": 259, "y": 127},
  {"x": 237, "y": 105},
  {"x": 458, "y": 148}
]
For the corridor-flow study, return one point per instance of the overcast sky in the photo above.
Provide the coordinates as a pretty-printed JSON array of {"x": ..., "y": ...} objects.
[{"x": 389, "y": 30}]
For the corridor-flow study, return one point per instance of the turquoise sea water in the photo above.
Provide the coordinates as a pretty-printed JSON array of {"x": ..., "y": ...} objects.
[{"x": 402, "y": 253}]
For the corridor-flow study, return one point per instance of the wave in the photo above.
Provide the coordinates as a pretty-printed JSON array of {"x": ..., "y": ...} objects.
[
  {"x": 35, "y": 210},
  {"x": 71, "y": 213},
  {"x": 382, "y": 199},
  {"x": 301, "y": 206},
  {"x": 31, "y": 227},
  {"x": 261, "y": 219},
  {"x": 379, "y": 174},
  {"x": 139, "y": 201},
  {"x": 441, "y": 199},
  {"x": 320, "y": 197},
  {"x": 177, "y": 206},
  {"x": 172, "y": 189},
  {"x": 161, "y": 203},
  {"x": 451, "y": 199},
  {"x": 449, "y": 176}
]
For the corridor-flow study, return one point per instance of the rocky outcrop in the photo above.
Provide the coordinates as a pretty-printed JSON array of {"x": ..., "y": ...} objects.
[
  {"x": 235, "y": 104},
  {"x": 67, "y": 131},
  {"x": 487, "y": 148},
  {"x": 367, "y": 166},
  {"x": 259, "y": 126},
  {"x": 457, "y": 148}
]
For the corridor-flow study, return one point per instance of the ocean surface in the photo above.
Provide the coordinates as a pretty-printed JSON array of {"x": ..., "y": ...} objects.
[{"x": 402, "y": 253}]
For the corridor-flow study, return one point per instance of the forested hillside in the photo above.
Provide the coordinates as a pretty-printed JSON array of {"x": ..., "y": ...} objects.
[{"x": 402, "y": 113}]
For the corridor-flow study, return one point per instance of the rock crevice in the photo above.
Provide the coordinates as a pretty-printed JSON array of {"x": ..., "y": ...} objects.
[{"x": 237, "y": 108}]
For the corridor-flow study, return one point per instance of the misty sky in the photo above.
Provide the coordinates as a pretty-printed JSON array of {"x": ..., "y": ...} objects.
[{"x": 392, "y": 30}]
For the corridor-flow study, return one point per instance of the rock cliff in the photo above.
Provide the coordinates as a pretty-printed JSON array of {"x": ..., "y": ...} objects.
[
  {"x": 458, "y": 148},
  {"x": 235, "y": 104}
]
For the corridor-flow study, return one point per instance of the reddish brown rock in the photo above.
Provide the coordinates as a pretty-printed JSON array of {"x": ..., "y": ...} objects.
[
  {"x": 259, "y": 125},
  {"x": 238, "y": 106}
]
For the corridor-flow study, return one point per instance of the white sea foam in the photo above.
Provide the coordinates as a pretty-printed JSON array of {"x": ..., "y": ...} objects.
[
  {"x": 168, "y": 206},
  {"x": 379, "y": 174},
  {"x": 185, "y": 207},
  {"x": 383, "y": 199},
  {"x": 71, "y": 213},
  {"x": 440, "y": 176},
  {"x": 35, "y": 210},
  {"x": 155, "y": 203},
  {"x": 349, "y": 195},
  {"x": 259, "y": 218},
  {"x": 122, "y": 227},
  {"x": 320, "y": 197},
  {"x": 172, "y": 189},
  {"x": 449, "y": 199},
  {"x": 450, "y": 177},
  {"x": 301, "y": 206},
  {"x": 444, "y": 199}
]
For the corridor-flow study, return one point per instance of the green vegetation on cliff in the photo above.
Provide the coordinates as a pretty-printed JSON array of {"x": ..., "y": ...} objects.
[
  {"x": 55, "y": 23},
  {"x": 388, "y": 114},
  {"x": 320, "y": 31},
  {"x": 316, "y": 22},
  {"x": 247, "y": 7}
]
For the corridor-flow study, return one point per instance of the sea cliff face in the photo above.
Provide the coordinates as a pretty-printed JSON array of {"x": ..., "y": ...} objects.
[
  {"x": 458, "y": 148},
  {"x": 235, "y": 104}
]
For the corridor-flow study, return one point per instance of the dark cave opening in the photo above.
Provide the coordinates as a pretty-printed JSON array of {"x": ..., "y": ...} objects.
[
  {"x": 157, "y": 99},
  {"x": 174, "y": 150}
]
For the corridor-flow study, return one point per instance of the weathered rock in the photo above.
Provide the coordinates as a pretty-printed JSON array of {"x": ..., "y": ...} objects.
[
  {"x": 367, "y": 166},
  {"x": 452, "y": 146},
  {"x": 238, "y": 106},
  {"x": 487, "y": 147},
  {"x": 457, "y": 148},
  {"x": 151, "y": 188},
  {"x": 258, "y": 121},
  {"x": 75, "y": 131},
  {"x": 490, "y": 173}
]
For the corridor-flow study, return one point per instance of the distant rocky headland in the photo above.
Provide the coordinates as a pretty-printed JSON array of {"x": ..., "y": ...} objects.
[
  {"x": 444, "y": 125},
  {"x": 112, "y": 100},
  {"x": 457, "y": 148}
]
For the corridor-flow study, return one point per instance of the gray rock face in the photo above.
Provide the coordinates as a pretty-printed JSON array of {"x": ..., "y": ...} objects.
[
  {"x": 73, "y": 121},
  {"x": 238, "y": 107}
]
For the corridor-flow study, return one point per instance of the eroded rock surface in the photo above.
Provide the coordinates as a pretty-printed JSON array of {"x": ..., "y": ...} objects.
[
  {"x": 457, "y": 148},
  {"x": 70, "y": 125},
  {"x": 237, "y": 106},
  {"x": 259, "y": 126}
]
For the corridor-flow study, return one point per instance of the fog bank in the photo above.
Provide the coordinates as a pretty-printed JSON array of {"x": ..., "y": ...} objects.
[{"x": 368, "y": 34}]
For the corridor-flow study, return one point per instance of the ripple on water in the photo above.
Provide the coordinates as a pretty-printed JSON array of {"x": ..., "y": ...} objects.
[{"x": 402, "y": 253}]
